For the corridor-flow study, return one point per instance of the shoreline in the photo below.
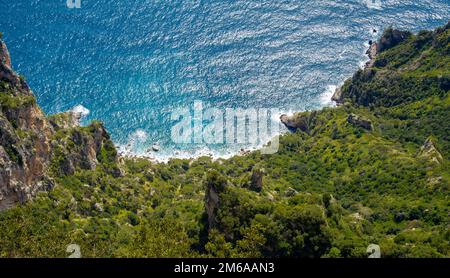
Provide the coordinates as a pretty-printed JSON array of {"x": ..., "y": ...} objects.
[
  {"x": 328, "y": 98},
  {"x": 192, "y": 154}
]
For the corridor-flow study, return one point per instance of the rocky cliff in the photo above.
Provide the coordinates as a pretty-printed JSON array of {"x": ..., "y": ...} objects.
[
  {"x": 395, "y": 73},
  {"x": 375, "y": 168},
  {"x": 32, "y": 144}
]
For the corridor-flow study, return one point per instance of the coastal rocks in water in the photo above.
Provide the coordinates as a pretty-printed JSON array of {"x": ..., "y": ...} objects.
[
  {"x": 372, "y": 52},
  {"x": 244, "y": 152},
  {"x": 303, "y": 121},
  {"x": 429, "y": 152},
  {"x": 256, "y": 183},
  {"x": 359, "y": 121},
  {"x": 338, "y": 97},
  {"x": 156, "y": 148}
]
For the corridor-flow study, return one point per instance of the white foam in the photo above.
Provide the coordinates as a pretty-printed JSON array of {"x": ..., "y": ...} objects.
[
  {"x": 80, "y": 109},
  {"x": 139, "y": 135},
  {"x": 325, "y": 97}
]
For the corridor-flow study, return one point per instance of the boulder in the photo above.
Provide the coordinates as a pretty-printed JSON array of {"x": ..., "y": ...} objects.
[{"x": 359, "y": 122}]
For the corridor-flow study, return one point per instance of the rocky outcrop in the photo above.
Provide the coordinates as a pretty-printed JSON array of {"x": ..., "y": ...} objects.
[
  {"x": 256, "y": 183},
  {"x": 5, "y": 59},
  {"x": 211, "y": 206},
  {"x": 338, "y": 97},
  {"x": 429, "y": 152},
  {"x": 65, "y": 120},
  {"x": 372, "y": 53},
  {"x": 303, "y": 121},
  {"x": 10, "y": 77},
  {"x": 25, "y": 137},
  {"x": 215, "y": 185},
  {"x": 391, "y": 38},
  {"x": 84, "y": 148},
  {"x": 359, "y": 121},
  {"x": 32, "y": 145}
]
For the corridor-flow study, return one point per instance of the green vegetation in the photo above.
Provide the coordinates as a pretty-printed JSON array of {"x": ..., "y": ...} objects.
[
  {"x": 9, "y": 101},
  {"x": 331, "y": 190},
  {"x": 413, "y": 70}
]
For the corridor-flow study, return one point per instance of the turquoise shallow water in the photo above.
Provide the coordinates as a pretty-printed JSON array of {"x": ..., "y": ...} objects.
[{"x": 130, "y": 62}]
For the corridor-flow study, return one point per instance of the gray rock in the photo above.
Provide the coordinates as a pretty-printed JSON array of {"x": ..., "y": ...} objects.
[
  {"x": 338, "y": 97},
  {"x": 156, "y": 148},
  {"x": 359, "y": 121}
]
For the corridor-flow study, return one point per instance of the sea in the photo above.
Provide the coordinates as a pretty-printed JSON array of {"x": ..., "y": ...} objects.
[{"x": 154, "y": 71}]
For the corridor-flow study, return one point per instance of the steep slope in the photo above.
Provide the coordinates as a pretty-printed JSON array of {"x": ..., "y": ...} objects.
[
  {"x": 29, "y": 142},
  {"x": 25, "y": 136},
  {"x": 374, "y": 170}
]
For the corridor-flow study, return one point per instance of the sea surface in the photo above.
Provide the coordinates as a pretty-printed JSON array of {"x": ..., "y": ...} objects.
[{"x": 131, "y": 63}]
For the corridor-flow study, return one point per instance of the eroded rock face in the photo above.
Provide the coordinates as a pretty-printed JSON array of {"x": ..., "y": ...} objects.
[
  {"x": 29, "y": 142},
  {"x": 338, "y": 97},
  {"x": 4, "y": 54},
  {"x": 372, "y": 53},
  {"x": 23, "y": 164},
  {"x": 8, "y": 75},
  {"x": 80, "y": 149},
  {"x": 211, "y": 206},
  {"x": 25, "y": 137}
]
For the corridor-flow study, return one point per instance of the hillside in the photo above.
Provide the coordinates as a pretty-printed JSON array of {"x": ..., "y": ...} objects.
[{"x": 374, "y": 170}]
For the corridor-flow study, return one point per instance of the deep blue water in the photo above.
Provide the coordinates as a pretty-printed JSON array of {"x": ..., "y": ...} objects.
[{"x": 130, "y": 62}]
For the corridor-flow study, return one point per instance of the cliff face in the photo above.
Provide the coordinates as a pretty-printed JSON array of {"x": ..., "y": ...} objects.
[
  {"x": 25, "y": 136},
  {"x": 349, "y": 175},
  {"x": 28, "y": 140},
  {"x": 404, "y": 68}
]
